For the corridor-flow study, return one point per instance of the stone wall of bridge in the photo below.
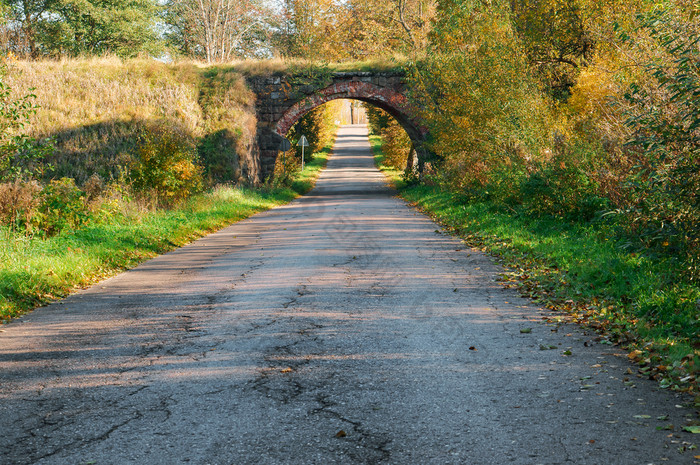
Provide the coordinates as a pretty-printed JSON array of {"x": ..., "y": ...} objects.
[{"x": 281, "y": 101}]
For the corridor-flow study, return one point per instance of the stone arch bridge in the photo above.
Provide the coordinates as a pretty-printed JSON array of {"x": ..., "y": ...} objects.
[{"x": 280, "y": 103}]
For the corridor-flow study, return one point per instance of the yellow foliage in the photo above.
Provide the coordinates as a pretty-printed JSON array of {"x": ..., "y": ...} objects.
[
  {"x": 592, "y": 92},
  {"x": 397, "y": 145}
]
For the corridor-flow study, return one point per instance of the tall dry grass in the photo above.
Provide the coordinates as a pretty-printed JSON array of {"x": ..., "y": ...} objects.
[
  {"x": 82, "y": 92},
  {"x": 97, "y": 109}
]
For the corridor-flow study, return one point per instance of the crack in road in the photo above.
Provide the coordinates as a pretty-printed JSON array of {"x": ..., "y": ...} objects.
[{"x": 362, "y": 437}]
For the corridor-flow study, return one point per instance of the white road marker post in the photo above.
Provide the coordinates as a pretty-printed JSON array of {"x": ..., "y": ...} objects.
[{"x": 303, "y": 143}]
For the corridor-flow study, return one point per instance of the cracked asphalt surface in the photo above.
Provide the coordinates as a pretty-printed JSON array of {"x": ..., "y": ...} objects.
[{"x": 341, "y": 328}]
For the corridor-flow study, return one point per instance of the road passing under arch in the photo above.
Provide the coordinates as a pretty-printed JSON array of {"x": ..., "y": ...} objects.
[{"x": 341, "y": 328}]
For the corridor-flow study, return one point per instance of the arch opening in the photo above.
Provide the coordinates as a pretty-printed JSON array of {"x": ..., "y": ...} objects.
[
  {"x": 388, "y": 100},
  {"x": 392, "y": 102},
  {"x": 279, "y": 105}
]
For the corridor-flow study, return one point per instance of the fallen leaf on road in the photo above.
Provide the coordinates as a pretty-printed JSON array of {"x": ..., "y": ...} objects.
[
  {"x": 526, "y": 330},
  {"x": 287, "y": 370},
  {"x": 644, "y": 417},
  {"x": 341, "y": 434},
  {"x": 692, "y": 429}
]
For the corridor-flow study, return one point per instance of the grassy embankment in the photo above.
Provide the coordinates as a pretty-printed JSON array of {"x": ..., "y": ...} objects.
[
  {"x": 34, "y": 271},
  {"x": 576, "y": 270},
  {"x": 105, "y": 115}
]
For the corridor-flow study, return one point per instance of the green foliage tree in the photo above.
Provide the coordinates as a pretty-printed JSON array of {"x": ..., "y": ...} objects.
[
  {"x": 82, "y": 27},
  {"x": 92, "y": 27}
]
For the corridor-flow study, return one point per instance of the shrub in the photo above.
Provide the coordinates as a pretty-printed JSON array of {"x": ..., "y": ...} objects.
[
  {"x": 62, "y": 206},
  {"x": 377, "y": 119},
  {"x": 664, "y": 119},
  {"x": 94, "y": 187},
  {"x": 562, "y": 191},
  {"x": 562, "y": 184},
  {"x": 220, "y": 156},
  {"x": 397, "y": 145},
  {"x": 18, "y": 202},
  {"x": 166, "y": 165},
  {"x": 287, "y": 165}
]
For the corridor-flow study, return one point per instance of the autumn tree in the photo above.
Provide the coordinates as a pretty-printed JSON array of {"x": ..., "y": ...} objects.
[
  {"x": 475, "y": 95},
  {"x": 412, "y": 21},
  {"x": 355, "y": 29},
  {"x": 308, "y": 30},
  {"x": 556, "y": 40}
]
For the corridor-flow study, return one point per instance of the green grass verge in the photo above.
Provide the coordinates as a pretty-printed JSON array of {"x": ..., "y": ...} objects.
[
  {"x": 636, "y": 301},
  {"x": 35, "y": 271}
]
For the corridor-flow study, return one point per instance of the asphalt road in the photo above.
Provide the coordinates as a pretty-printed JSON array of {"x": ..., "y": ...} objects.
[{"x": 341, "y": 328}]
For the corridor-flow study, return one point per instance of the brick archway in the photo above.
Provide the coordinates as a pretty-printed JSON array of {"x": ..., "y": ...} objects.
[{"x": 278, "y": 107}]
